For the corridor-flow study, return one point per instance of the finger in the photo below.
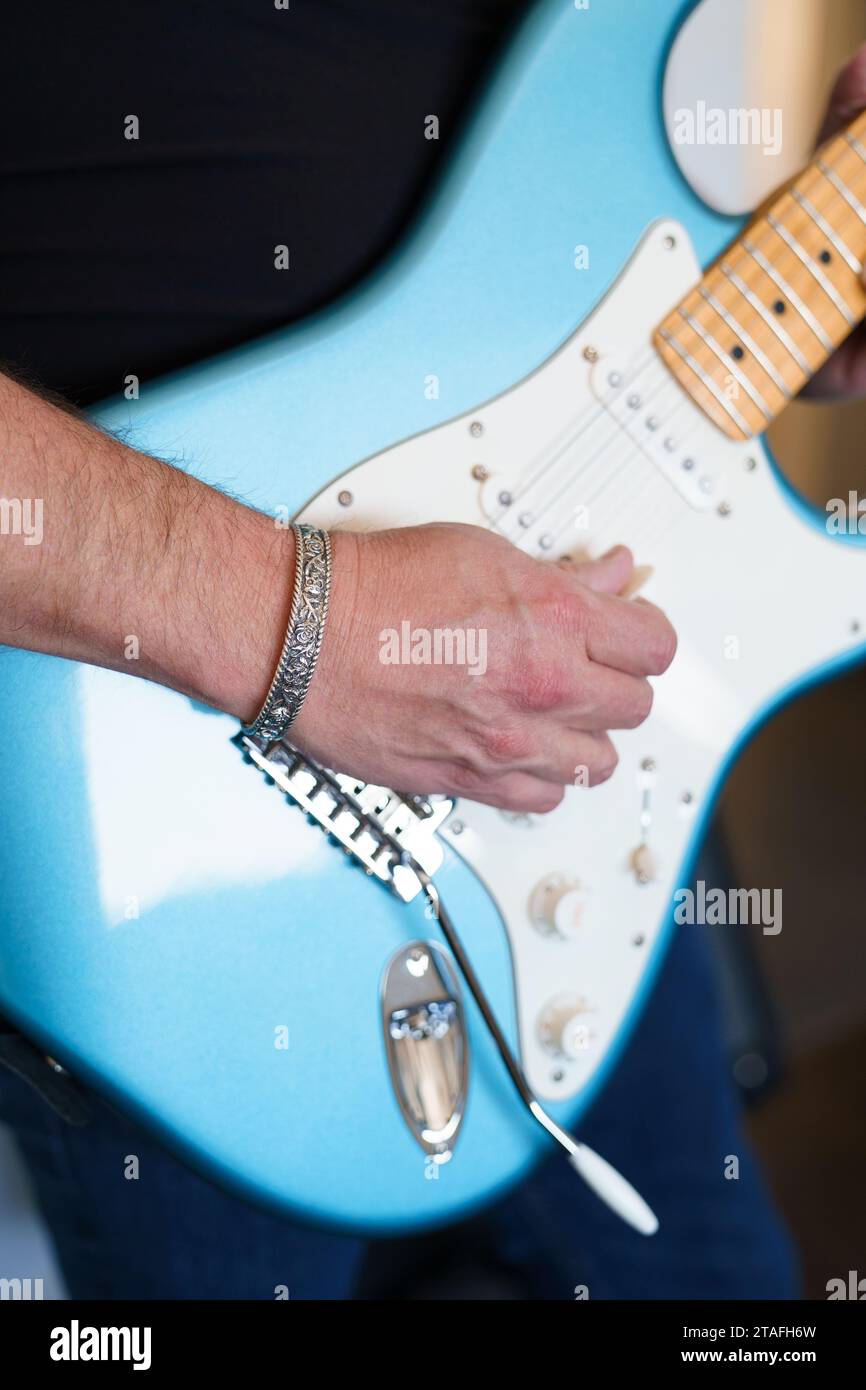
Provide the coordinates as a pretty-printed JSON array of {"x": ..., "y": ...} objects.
[
  {"x": 607, "y": 575},
  {"x": 579, "y": 759},
  {"x": 843, "y": 376},
  {"x": 569, "y": 757},
  {"x": 515, "y": 791},
  {"x": 610, "y": 700},
  {"x": 848, "y": 97},
  {"x": 630, "y": 635}
]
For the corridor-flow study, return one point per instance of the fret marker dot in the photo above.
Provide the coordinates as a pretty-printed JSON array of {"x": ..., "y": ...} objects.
[
  {"x": 779, "y": 306},
  {"x": 826, "y": 258},
  {"x": 737, "y": 352}
]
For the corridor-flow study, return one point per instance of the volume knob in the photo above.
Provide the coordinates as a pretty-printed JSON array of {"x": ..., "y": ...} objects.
[
  {"x": 558, "y": 906},
  {"x": 563, "y": 1027}
]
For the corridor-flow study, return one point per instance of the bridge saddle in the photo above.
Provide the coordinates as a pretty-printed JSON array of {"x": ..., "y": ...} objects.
[{"x": 377, "y": 827}]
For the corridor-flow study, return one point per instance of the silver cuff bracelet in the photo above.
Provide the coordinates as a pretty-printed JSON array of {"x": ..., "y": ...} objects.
[{"x": 297, "y": 662}]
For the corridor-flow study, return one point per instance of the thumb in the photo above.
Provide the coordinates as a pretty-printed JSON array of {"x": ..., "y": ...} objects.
[{"x": 609, "y": 574}]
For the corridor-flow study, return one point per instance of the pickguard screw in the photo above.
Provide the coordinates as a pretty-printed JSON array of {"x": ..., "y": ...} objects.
[
  {"x": 557, "y": 1076},
  {"x": 345, "y": 499},
  {"x": 855, "y": 626},
  {"x": 687, "y": 798},
  {"x": 476, "y": 429},
  {"x": 669, "y": 242},
  {"x": 724, "y": 509},
  {"x": 590, "y": 354},
  {"x": 505, "y": 499},
  {"x": 751, "y": 464},
  {"x": 648, "y": 765},
  {"x": 638, "y": 940},
  {"x": 457, "y": 827},
  {"x": 480, "y": 473}
]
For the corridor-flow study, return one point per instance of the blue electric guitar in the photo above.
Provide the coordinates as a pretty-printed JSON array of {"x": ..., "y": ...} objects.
[{"x": 373, "y": 1008}]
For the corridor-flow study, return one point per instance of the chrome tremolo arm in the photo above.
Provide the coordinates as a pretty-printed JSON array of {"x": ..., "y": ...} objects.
[
  {"x": 608, "y": 1184},
  {"x": 375, "y": 825}
]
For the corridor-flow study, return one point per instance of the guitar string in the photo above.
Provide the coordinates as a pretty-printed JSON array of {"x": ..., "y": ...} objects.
[
  {"x": 601, "y": 461},
  {"x": 604, "y": 417},
  {"x": 598, "y": 463},
  {"x": 675, "y": 511},
  {"x": 592, "y": 414},
  {"x": 742, "y": 261},
  {"x": 623, "y": 462},
  {"x": 599, "y": 414},
  {"x": 666, "y": 506}
]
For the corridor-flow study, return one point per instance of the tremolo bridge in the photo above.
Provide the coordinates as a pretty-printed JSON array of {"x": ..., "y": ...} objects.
[
  {"x": 392, "y": 835},
  {"x": 372, "y": 824}
]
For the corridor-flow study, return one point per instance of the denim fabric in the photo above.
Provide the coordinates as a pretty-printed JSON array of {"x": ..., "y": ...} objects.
[{"x": 669, "y": 1117}]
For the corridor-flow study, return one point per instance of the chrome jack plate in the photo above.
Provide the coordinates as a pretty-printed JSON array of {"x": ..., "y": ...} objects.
[{"x": 426, "y": 1043}]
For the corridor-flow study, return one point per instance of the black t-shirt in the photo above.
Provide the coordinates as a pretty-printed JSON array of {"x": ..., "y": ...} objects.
[{"x": 258, "y": 126}]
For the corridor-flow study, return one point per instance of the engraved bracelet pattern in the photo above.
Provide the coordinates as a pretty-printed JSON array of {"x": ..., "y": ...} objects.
[{"x": 297, "y": 662}]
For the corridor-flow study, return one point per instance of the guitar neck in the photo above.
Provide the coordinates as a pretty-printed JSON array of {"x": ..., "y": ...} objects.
[{"x": 772, "y": 309}]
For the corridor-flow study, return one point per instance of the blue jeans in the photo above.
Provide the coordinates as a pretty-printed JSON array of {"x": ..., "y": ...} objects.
[{"x": 669, "y": 1116}]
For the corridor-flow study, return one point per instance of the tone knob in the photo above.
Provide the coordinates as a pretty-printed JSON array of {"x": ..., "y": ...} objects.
[
  {"x": 563, "y": 1027},
  {"x": 558, "y": 906},
  {"x": 644, "y": 864}
]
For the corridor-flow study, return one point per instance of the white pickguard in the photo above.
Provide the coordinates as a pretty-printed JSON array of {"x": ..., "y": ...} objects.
[{"x": 758, "y": 598}]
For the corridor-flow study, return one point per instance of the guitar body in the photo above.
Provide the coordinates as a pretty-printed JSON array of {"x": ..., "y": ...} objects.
[{"x": 172, "y": 927}]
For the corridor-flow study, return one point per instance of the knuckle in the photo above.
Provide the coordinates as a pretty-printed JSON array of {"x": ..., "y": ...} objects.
[
  {"x": 558, "y": 606},
  {"x": 540, "y": 688},
  {"x": 465, "y": 779},
  {"x": 503, "y": 745},
  {"x": 565, "y": 609}
]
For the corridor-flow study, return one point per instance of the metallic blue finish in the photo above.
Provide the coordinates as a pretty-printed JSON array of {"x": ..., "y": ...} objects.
[{"x": 173, "y": 1013}]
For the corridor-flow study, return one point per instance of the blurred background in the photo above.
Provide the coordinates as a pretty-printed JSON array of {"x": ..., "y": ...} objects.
[{"x": 792, "y": 813}]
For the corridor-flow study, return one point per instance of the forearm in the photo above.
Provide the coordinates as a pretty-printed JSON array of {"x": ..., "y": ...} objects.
[{"x": 134, "y": 565}]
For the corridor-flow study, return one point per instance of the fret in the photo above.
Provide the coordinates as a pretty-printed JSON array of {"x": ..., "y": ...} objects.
[
  {"x": 706, "y": 380},
  {"x": 843, "y": 189},
  {"x": 789, "y": 293},
  {"x": 764, "y": 313},
  {"x": 813, "y": 268},
  {"x": 742, "y": 336},
  {"x": 709, "y": 340},
  {"x": 832, "y": 236},
  {"x": 784, "y": 296},
  {"x": 830, "y": 203},
  {"x": 834, "y": 263},
  {"x": 726, "y": 287},
  {"x": 856, "y": 146}
]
